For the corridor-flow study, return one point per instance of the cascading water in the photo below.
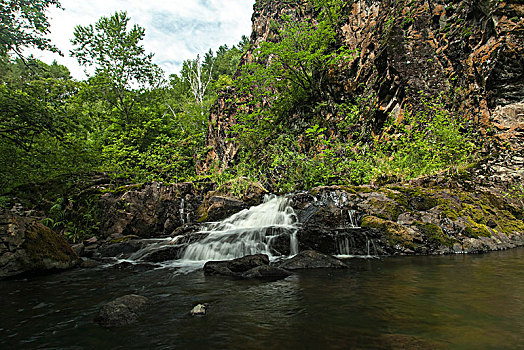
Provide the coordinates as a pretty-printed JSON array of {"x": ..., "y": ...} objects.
[{"x": 250, "y": 231}]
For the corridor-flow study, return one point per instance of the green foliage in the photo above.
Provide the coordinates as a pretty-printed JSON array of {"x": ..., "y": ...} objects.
[
  {"x": 288, "y": 76},
  {"x": 24, "y": 24},
  {"x": 121, "y": 64},
  {"x": 424, "y": 142},
  {"x": 39, "y": 137},
  {"x": 75, "y": 222}
]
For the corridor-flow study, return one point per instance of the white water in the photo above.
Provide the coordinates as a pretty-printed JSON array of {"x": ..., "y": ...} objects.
[{"x": 247, "y": 232}]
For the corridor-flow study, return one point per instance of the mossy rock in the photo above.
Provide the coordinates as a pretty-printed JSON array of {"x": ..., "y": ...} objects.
[
  {"x": 434, "y": 234},
  {"x": 414, "y": 198},
  {"x": 33, "y": 247},
  {"x": 45, "y": 248},
  {"x": 396, "y": 234},
  {"x": 386, "y": 209}
]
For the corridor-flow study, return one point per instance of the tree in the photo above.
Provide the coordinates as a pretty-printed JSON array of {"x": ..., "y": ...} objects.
[
  {"x": 18, "y": 72},
  {"x": 198, "y": 76},
  {"x": 121, "y": 64},
  {"x": 23, "y": 23}
]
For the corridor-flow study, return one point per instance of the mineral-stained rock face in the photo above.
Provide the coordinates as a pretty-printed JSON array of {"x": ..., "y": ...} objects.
[
  {"x": 27, "y": 246},
  {"x": 469, "y": 50}
]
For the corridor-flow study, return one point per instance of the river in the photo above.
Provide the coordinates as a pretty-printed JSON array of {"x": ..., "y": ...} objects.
[{"x": 424, "y": 302}]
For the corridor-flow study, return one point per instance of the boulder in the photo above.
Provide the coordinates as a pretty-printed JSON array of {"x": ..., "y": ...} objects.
[
  {"x": 217, "y": 208},
  {"x": 122, "y": 311},
  {"x": 310, "y": 259},
  {"x": 27, "y": 246},
  {"x": 248, "y": 267},
  {"x": 235, "y": 267},
  {"x": 171, "y": 252},
  {"x": 266, "y": 272},
  {"x": 120, "y": 249}
]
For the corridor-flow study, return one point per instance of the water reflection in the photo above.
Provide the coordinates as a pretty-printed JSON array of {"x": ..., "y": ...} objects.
[{"x": 395, "y": 303}]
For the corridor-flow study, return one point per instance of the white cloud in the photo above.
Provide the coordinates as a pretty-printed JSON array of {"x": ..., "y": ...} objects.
[{"x": 176, "y": 30}]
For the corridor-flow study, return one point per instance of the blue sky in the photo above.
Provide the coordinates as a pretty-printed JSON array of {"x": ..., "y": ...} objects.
[{"x": 176, "y": 30}]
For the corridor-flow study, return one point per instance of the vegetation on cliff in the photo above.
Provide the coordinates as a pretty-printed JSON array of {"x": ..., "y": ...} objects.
[{"x": 297, "y": 117}]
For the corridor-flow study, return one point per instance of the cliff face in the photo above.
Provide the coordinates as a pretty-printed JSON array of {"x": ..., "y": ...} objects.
[{"x": 470, "y": 50}]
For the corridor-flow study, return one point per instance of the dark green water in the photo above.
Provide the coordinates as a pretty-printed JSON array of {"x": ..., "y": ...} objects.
[{"x": 444, "y": 302}]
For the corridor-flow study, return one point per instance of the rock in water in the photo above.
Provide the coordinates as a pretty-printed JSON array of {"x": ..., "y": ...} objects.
[
  {"x": 27, "y": 246},
  {"x": 266, "y": 272},
  {"x": 248, "y": 267},
  {"x": 237, "y": 266},
  {"x": 121, "y": 311},
  {"x": 199, "y": 310},
  {"x": 310, "y": 259}
]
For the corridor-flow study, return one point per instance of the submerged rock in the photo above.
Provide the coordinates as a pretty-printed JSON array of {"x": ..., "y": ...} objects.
[
  {"x": 27, "y": 246},
  {"x": 235, "y": 267},
  {"x": 121, "y": 311},
  {"x": 310, "y": 259},
  {"x": 266, "y": 272}
]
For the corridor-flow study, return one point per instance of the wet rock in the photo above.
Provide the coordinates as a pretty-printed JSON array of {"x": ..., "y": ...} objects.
[
  {"x": 89, "y": 263},
  {"x": 122, "y": 311},
  {"x": 136, "y": 267},
  {"x": 317, "y": 237},
  {"x": 266, "y": 272},
  {"x": 27, "y": 246},
  {"x": 120, "y": 249},
  {"x": 164, "y": 254},
  {"x": 78, "y": 248},
  {"x": 91, "y": 240},
  {"x": 311, "y": 259},
  {"x": 218, "y": 208},
  {"x": 235, "y": 267},
  {"x": 199, "y": 310},
  {"x": 147, "y": 210}
]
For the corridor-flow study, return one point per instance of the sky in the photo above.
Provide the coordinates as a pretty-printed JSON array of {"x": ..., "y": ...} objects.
[{"x": 176, "y": 30}]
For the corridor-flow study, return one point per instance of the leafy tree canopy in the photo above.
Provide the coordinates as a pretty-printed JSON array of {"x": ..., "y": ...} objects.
[
  {"x": 23, "y": 23},
  {"x": 116, "y": 52}
]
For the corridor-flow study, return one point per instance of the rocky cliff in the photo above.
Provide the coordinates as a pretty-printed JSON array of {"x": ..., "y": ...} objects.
[{"x": 470, "y": 51}]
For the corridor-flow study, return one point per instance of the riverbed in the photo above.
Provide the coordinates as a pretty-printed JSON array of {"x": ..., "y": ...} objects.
[{"x": 416, "y": 302}]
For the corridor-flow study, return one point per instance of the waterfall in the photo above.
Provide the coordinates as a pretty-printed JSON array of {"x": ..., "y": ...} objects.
[
  {"x": 353, "y": 219},
  {"x": 250, "y": 231},
  {"x": 343, "y": 245},
  {"x": 182, "y": 207}
]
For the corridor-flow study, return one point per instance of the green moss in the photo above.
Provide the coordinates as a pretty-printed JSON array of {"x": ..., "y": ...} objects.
[
  {"x": 396, "y": 196},
  {"x": 475, "y": 213},
  {"x": 508, "y": 224},
  {"x": 42, "y": 244},
  {"x": 475, "y": 230},
  {"x": 434, "y": 234},
  {"x": 202, "y": 218},
  {"x": 123, "y": 189},
  {"x": 449, "y": 210},
  {"x": 414, "y": 197},
  {"x": 386, "y": 209},
  {"x": 395, "y": 233}
]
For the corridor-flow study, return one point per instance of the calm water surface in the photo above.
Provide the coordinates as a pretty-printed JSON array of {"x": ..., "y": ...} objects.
[{"x": 457, "y": 302}]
